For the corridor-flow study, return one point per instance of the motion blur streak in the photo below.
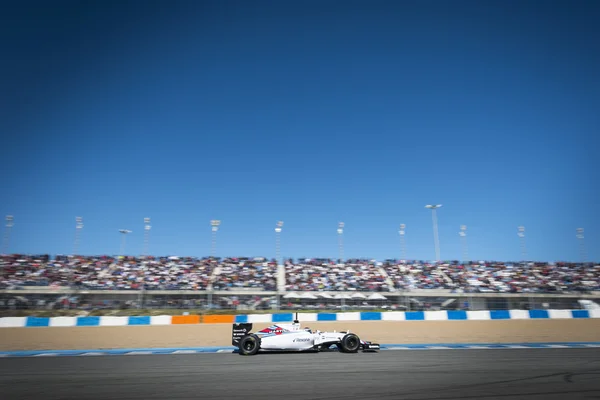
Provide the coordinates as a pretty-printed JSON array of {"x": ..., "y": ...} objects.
[{"x": 479, "y": 374}]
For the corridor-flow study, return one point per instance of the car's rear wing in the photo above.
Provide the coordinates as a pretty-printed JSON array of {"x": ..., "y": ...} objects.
[{"x": 238, "y": 331}]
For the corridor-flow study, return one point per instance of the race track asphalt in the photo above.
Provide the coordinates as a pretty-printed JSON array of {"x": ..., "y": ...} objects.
[{"x": 548, "y": 374}]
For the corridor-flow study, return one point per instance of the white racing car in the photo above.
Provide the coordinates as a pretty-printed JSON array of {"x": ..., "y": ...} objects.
[{"x": 291, "y": 337}]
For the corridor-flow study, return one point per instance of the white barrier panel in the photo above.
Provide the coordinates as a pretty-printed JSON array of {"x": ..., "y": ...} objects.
[
  {"x": 560, "y": 314},
  {"x": 519, "y": 314},
  {"x": 13, "y": 322},
  {"x": 594, "y": 313},
  {"x": 307, "y": 317},
  {"x": 160, "y": 320},
  {"x": 481, "y": 315},
  {"x": 348, "y": 316},
  {"x": 114, "y": 321},
  {"x": 393, "y": 316},
  {"x": 258, "y": 318},
  {"x": 436, "y": 315},
  {"x": 63, "y": 321}
]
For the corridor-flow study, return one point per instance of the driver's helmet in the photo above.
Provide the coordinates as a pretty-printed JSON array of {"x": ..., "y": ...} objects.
[{"x": 307, "y": 329}]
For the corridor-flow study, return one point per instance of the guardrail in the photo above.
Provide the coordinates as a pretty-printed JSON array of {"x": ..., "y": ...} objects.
[{"x": 398, "y": 316}]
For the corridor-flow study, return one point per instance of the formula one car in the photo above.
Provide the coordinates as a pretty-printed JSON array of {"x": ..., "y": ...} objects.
[{"x": 291, "y": 337}]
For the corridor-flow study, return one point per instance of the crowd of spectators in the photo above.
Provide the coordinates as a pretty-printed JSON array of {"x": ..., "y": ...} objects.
[
  {"x": 105, "y": 272},
  {"x": 328, "y": 275},
  {"x": 187, "y": 273},
  {"x": 495, "y": 276},
  {"x": 416, "y": 275},
  {"x": 242, "y": 273}
]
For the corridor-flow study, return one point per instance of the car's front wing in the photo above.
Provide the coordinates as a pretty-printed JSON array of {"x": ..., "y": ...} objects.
[{"x": 369, "y": 346}]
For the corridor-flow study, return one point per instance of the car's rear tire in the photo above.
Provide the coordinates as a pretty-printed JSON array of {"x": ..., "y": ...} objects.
[
  {"x": 350, "y": 343},
  {"x": 249, "y": 345}
]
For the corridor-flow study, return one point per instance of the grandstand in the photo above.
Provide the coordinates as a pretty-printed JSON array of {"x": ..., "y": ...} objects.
[
  {"x": 255, "y": 283},
  {"x": 306, "y": 275}
]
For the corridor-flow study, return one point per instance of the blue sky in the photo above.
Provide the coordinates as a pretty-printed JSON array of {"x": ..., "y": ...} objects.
[{"x": 309, "y": 112}]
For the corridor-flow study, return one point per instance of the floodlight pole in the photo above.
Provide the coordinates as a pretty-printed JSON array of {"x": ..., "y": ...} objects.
[
  {"x": 521, "y": 234},
  {"x": 215, "y": 223},
  {"x": 147, "y": 228},
  {"x": 124, "y": 233},
  {"x": 340, "y": 232},
  {"x": 436, "y": 238},
  {"x": 463, "y": 237},
  {"x": 581, "y": 238},
  {"x": 402, "y": 232},
  {"x": 142, "y": 290},
  {"x": 278, "y": 227},
  {"x": 78, "y": 228},
  {"x": 9, "y": 224},
  {"x": 215, "y": 227}
]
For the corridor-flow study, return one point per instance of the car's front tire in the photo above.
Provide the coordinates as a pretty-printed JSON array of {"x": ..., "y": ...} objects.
[
  {"x": 350, "y": 343},
  {"x": 249, "y": 345}
]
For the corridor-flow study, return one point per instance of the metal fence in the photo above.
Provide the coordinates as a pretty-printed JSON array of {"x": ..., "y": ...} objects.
[{"x": 261, "y": 301}]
